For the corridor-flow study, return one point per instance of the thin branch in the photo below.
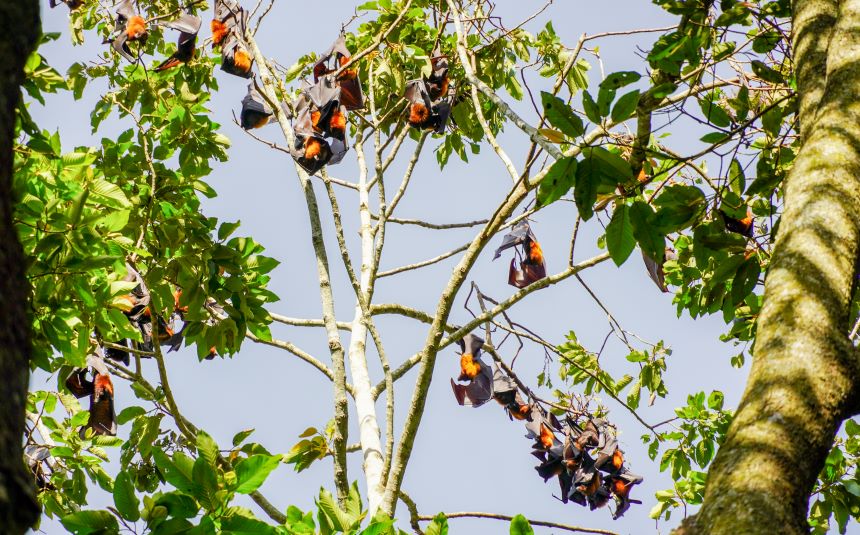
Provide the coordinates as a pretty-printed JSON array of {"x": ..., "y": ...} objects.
[
  {"x": 506, "y": 518},
  {"x": 425, "y": 263}
]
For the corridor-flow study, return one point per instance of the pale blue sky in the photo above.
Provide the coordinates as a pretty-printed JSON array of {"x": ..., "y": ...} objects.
[{"x": 261, "y": 386}]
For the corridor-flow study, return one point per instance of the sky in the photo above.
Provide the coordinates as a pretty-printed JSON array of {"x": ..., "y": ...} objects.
[{"x": 464, "y": 459}]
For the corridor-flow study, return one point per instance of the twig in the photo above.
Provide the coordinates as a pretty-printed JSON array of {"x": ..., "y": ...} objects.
[{"x": 563, "y": 527}]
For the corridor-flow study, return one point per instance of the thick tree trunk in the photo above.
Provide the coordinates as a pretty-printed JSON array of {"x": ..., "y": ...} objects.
[
  {"x": 18, "y": 507},
  {"x": 805, "y": 375}
]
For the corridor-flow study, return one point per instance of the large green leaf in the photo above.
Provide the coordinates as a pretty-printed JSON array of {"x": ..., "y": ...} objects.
[
  {"x": 558, "y": 181},
  {"x": 91, "y": 522},
  {"x": 125, "y": 498},
  {"x": 439, "y": 525},
  {"x": 520, "y": 526},
  {"x": 253, "y": 471},
  {"x": 619, "y": 235},
  {"x": 561, "y": 116}
]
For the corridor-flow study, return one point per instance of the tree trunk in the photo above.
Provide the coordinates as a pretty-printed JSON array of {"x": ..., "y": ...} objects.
[
  {"x": 805, "y": 373},
  {"x": 18, "y": 507}
]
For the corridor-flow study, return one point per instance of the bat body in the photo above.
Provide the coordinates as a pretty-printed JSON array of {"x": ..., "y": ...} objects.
[
  {"x": 102, "y": 419},
  {"x": 73, "y": 4},
  {"x": 426, "y": 113},
  {"x": 235, "y": 57},
  {"x": 188, "y": 26},
  {"x": 479, "y": 390},
  {"x": 320, "y": 126},
  {"x": 743, "y": 226},
  {"x": 352, "y": 97},
  {"x": 655, "y": 267},
  {"x": 128, "y": 26},
  {"x": 255, "y": 112},
  {"x": 229, "y": 17},
  {"x": 532, "y": 266},
  {"x": 437, "y": 82}
]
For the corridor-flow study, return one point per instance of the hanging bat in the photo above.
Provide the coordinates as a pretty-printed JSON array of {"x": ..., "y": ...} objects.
[
  {"x": 620, "y": 487},
  {"x": 328, "y": 116},
  {"x": 335, "y": 57},
  {"x": 473, "y": 369},
  {"x": 73, "y": 4},
  {"x": 541, "y": 427},
  {"x": 437, "y": 82},
  {"x": 310, "y": 149},
  {"x": 128, "y": 26},
  {"x": 235, "y": 57},
  {"x": 255, "y": 112},
  {"x": 532, "y": 265},
  {"x": 37, "y": 456},
  {"x": 228, "y": 15},
  {"x": 744, "y": 226},
  {"x": 655, "y": 267},
  {"x": 506, "y": 394},
  {"x": 424, "y": 112},
  {"x": 102, "y": 418},
  {"x": 188, "y": 26}
]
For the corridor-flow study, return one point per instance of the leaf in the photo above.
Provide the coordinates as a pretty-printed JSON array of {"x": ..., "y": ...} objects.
[
  {"x": 715, "y": 400},
  {"x": 240, "y": 521},
  {"x": 619, "y": 235},
  {"x": 619, "y": 79},
  {"x": 240, "y": 437},
  {"x": 679, "y": 206},
  {"x": 439, "y": 525},
  {"x": 737, "y": 180},
  {"x": 171, "y": 472},
  {"x": 766, "y": 73},
  {"x": 650, "y": 240},
  {"x": 520, "y": 526},
  {"x": 128, "y": 414},
  {"x": 561, "y": 116},
  {"x": 86, "y": 522},
  {"x": 124, "y": 497},
  {"x": 554, "y": 136},
  {"x": 207, "y": 448},
  {"x": 625, "y": 106},
  {"x": 590, "y": 107},
  {"x": 110, "y": 193},
  {"x": 337, "y": 518},
  {"x": 253, "y": 471},
  {"x": 558, "y": 181},
  {"x": 714, "y": 113}
]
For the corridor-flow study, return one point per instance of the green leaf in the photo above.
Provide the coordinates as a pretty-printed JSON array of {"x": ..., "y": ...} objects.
[
  {"x": 109, "y": 193},
  {"x": 737, "y": 180},
  {"x": 625, "y": 106},
  {"x": 520, "y": 526},
  {"x": 590, "y": 107},
  {"x": 329, "y": 510},
  {"x": 619, "y": 235},
  {"x": 253, "y": 471},
  {"x": 715, "y": 400},
  {"x": 95, "y": 522},
  {"x": 679, "y": 206},
  {"x": 207, "y": 448},
  {"x": 171, "y": 472},
  {"x": 619, "y": 79},
  {"x": 714, "y": 113},
  {"x": 650, "y": 239},
  {"x": 763, "y": 71},
  {"x": 561, "y": 116},
  {"x": 605, "y": 96},
  {"x": 128, "y": 414},
  {"x": 558, "y": 181},
  {"x": 241, "y": 521},
  {"x": 240, "y": 437},
  {"x": 439, "y": 525},
  {"x": 124, "y": 497}
]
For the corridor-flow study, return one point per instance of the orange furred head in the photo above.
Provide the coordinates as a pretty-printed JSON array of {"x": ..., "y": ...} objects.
[
  {"x": 337, "y": 123},
  {"x": 747, "y": 221},
  {"x": 520, "y": 412},
  {"x": 313, "y": 147},
  {"x": 547, "y": 437},
  {"x": 242, "y": 60},
  {"x": 342, "y": 60},
  {"x": 315, "y": 120},
  {"x": 617, "y": 460},
  {"x": 102, "y": 385},
  {"x": 535, "y": 253},
  {"x": 135, "y": 28},
  {"x": 620, "y": 488},
  {"x": 418, "y": 114},
  {"x": 469, "y": 367},
  {"x": 219, "y": 31}
]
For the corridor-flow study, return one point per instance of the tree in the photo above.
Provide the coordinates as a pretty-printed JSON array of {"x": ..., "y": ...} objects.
[
  {"x": 113, "y": 230},
  {"x": 18, "y": 508}
]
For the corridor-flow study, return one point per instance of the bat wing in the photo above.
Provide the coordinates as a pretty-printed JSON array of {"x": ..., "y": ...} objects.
[
  {"x": 339, "y": 148},
  {"x": 118, "y": 354},
  {"x": 416, "y": 91},
  {"x": 78, "y": 384},
  {"x": 186, "y": 23},
  {"x": 254, "y": 109},
  {"x": 515, "y": 237},
  {"x": 102, "y": 415},
  {"x": 655, "y": 271},
  {"x": 323, "y": 93},
  {"x": 479, "y": 391},
  {"x": 472, "y": 344},
  {"x": 339, "y": 47},
  {"x": 532, "y": 272},
  {"x": 125, "y": 10},
  {"x": 120, "y": 44}
]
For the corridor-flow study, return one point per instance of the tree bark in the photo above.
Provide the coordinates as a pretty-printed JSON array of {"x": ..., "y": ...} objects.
[
  {"x": 18, "y": 507},
  {"x": 804, "y": 378}
]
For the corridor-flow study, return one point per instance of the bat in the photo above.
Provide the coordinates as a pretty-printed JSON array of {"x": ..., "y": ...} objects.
[
  {"x": 310, "y": 148},
  {"x": 426, "y": 113},
  {"x": 128, "y": 26},
  {"x": 188, "y": 26},
  {"x": 73, "y": 4},
  {"x": 255, "y": 112},
  {"x": 620, "y": 487},
  {"x": 102, "y": 418},
  {"x": 473, "y": 369},
  {"x": 235, "y": 57},
  {"x": 437, "y": 82},
  {"x": 532, "y": 265},
  {"x": 655, "y": 268},
  {"x": 229, "y": 16},
  {"x": 328, "y": 115},
  {"x": 506, "y": 394},
  {"x": 335, "y": 57},
  {"x": 744, "y": 226},
  {"x": 36, "y": 456}
]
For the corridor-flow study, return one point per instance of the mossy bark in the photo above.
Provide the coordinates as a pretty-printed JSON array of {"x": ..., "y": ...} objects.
[
  {"x": 18, "y": 507},
  {"x": 805, "y": 372}
]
